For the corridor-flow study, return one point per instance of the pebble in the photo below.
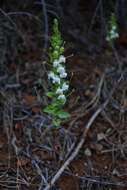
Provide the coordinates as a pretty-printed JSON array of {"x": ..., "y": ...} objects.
[
  {"x": 99, "y": 147},
  {"x": 88, "y": 152},
  {"x": 100, "y": 136}
]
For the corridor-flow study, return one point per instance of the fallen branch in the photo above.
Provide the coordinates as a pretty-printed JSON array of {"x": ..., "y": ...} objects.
[{"x": 78, "y": 147}]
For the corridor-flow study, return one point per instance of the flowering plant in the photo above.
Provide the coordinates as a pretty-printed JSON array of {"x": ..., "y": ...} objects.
[
  {"x": 57, "y": 77},
  {"x": 112, "y": 29}
]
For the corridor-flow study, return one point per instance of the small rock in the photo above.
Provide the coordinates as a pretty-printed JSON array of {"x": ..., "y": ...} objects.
[
  {"x": 88, "y": 152},
  {"x": 99, "y": 147},
  {"x": 100, "y": 136},
  {"x": 115, "y": 172}
]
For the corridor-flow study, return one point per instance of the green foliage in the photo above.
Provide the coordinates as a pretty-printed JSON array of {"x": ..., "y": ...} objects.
[
  {"x": 112, "y": 29},
  {"x": 57, "y": 76},
  {"x": 56, "y": 48}
]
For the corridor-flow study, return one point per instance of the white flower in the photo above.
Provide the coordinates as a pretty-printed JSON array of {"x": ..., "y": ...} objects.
[
  {"x": 61, "y": 69},
  {"x": 65, "y": 86},
  {"x": 56, "y": 63},
  {"x": 112, "y": 32},
  {"x": 112, "y": 35},
  {"x": 116, "y": 35},
  {"x": 59, "y": 91},
  {"x": 62, "y": 59},
  {"x": 56, "y": 79},
  {"x": 63, "y": 75},
  {"x": 114, "y": 27},
  {"x": 51, "y": 75},
  {"x": 62, "y": 97}
]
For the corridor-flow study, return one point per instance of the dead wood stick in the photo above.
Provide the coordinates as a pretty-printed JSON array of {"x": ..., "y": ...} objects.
[{"x": 78, "y": 147}]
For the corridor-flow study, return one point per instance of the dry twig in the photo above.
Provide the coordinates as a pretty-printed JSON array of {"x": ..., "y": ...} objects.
[{"x": 78, "y": 147}]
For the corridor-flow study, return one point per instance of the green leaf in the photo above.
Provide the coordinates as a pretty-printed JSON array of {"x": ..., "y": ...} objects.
[
  {"x": 56, "y": 122},
  {"x": 50, "y": 94},
  {"x": 49, "y": 109},
  {"x": 63, "y": 115}
]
